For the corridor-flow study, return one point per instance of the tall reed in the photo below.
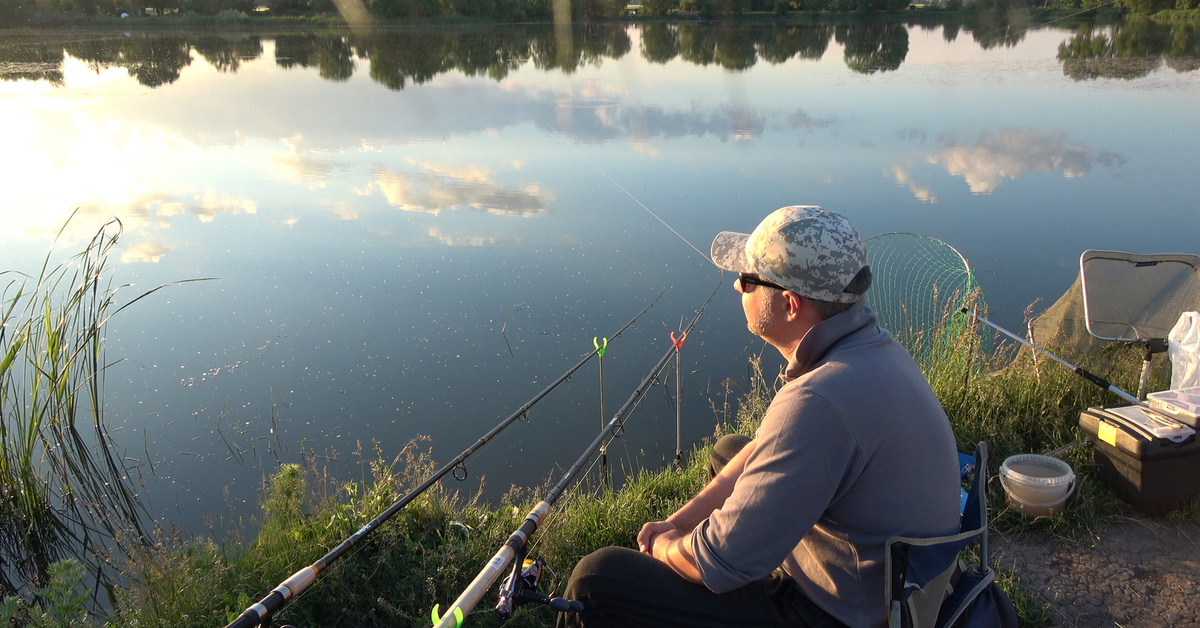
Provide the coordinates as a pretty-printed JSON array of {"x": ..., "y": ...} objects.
[{"x": 64, "y": 490}]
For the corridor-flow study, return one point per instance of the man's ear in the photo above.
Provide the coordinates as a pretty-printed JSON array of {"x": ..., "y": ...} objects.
[{"x": 793, "y": 305}]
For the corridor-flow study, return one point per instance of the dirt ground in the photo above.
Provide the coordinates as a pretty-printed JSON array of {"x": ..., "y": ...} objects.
[{"x": 1138, "y": 572}]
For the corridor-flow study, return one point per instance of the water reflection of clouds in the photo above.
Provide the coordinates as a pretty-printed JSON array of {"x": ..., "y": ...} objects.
[
  {"x": 903, "y": 177},
  {"x": 141, "y": 216},
  {"x": 640, "y": 123},
  {"x": 439, "y": 187},
  {"x": 449, "y": 240},
  {"x": 1010, "y": 153},
  {"x": 307, "y": 168},
  {"x": 150, "y": 251},
  {"x": 1006, "y": 154}
]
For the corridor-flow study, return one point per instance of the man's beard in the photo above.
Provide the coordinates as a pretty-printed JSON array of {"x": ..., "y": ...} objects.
[{"x": 765, "y": 318}]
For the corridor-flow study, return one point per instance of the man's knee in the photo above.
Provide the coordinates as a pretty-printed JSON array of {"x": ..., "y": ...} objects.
[
  {"x": 598, "y": 569},
  {"x": 601, "y": 581},
  {"x": 724, "y": 450}
]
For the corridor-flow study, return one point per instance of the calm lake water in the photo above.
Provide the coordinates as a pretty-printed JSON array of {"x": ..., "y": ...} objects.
[{"x": 415, "y": 231}]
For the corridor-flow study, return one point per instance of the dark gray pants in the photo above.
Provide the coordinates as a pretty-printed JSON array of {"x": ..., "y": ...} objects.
[{"x": 624, "y": 588}]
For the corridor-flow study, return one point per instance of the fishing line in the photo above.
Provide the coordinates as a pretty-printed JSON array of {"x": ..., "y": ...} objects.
[{"x": 643, "y": 205}]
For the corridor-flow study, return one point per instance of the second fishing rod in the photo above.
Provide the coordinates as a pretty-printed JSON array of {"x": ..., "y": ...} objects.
[
  {"x": 260, "y": 614},
  {"x": 515, "y": 546}
]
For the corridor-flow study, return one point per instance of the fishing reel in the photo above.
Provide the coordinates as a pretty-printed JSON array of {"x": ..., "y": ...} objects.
[{"x": 521, "y": 587}]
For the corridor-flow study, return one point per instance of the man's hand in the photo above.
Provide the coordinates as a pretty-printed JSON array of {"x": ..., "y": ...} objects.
[
  {"x": 645, "y": 538},
  {"x": 671, "y": 547}
]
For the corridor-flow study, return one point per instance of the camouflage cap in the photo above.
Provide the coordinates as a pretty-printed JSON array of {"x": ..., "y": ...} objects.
[{"x": 806, "y": 249}]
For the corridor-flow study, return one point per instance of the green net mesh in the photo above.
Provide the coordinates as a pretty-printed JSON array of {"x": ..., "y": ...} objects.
[{"x": 920, "y": 286}]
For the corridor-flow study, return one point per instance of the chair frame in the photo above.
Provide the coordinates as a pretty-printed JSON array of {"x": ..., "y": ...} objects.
[{"x": 940, "y": 599}]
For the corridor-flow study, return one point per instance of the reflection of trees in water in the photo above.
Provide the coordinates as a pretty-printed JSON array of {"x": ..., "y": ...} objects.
[
  {"x": 1130, "y": 50},
  {"x": 400, "y": 57},
  {"x": 152, "y": 60},
  {"x": 999, "y": 23},
  {"x": 31, "y": 61},
  {"x": 873, "y": 46},
  {"x": 227, "y": 53},
  {"x": 589, "y": 45},
  {"x": 660, "y": 42},
  {"x": 331, "y": 55},
  {"x": 807, "y": 42}
]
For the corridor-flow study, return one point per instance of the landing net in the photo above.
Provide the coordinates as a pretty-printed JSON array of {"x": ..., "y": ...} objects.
[
  {"x": 1119, "y": 296},
  {"x": 920, "y": 284}
]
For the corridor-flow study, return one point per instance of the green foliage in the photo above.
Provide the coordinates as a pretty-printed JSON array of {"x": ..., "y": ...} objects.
[
  {"x": 66, "y": 492},
  {"x": 215, "y": 7},
  {"x": 9, "y": 607},
  {"x": 160, "y": 7},
  {"x": 10, "y": 12},
  {"x": 813, "y": 5},
  {"x": 705, "y": 9},
  {"x": 61, "y": 602},
  {"x": 1145, "y": 6},
  {"x": 657, "y": 8}
]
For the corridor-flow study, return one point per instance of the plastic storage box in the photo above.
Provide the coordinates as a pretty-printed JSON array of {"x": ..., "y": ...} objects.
[
  {"x": 1155, "y": 468},
  {"x": 1181, "y": 404}
]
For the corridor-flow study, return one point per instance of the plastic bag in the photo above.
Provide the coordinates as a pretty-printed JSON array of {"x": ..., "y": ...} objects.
[{"x": 1183, "y": 344}]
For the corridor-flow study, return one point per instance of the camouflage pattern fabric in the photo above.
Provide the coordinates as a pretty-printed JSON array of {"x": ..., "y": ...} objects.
[{"x": 806, "y": 249}]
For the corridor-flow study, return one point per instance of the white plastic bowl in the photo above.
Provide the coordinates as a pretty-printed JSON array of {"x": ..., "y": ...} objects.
[{"x": 1037, "y": 485}]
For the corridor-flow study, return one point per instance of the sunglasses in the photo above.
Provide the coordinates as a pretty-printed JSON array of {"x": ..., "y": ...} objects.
[{"x": 747, "y": 279}]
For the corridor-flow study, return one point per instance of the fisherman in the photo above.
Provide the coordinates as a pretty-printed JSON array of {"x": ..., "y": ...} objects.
[{"x": 853, "y": 450}]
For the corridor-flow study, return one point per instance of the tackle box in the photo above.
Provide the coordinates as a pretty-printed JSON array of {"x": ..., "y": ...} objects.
[
  {"x": 1151, "y": 461},
  {"x": 1181, "y": 404}
]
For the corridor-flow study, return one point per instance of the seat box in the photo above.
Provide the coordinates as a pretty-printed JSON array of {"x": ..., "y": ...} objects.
[{"x": 1151, "y": 462}]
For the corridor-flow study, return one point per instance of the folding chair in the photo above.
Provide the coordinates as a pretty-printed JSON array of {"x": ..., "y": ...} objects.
[{"x": 927, "y": 585}]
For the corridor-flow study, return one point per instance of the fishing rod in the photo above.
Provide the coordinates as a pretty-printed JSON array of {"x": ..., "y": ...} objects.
[
  {"x": 515, "y": 546},
  {"x": 604, "y": 478},
  {"x": 1089, "y": 376},
  {"x": 678, "y": 397},
  {"x": 260, "y": 614}
]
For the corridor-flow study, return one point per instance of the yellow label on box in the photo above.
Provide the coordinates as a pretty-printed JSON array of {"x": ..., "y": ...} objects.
[{"x": 1108, "y": 433}]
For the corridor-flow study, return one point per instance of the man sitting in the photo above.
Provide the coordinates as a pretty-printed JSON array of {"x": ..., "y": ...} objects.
[{"x": 853, "y": 450}]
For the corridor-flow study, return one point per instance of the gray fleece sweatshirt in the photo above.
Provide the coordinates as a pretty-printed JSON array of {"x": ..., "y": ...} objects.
[{"x": 854, "y": 449}]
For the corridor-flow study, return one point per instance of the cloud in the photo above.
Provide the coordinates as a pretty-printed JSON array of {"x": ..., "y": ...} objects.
[
  {"x": 1010, "y": 153},
  {"x": 439, "y": 187}
]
